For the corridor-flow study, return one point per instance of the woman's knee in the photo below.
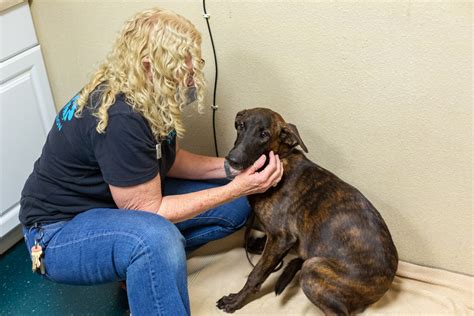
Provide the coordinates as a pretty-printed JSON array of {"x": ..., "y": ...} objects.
[
  {"x": 159, "y": 237},
  {"x": 237, "y": 214}
]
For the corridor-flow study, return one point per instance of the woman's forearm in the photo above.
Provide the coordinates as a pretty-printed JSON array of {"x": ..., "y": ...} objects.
[
  {"x": 148, "y": 197},
  {"x": 177, "y": 208},
  {"x": 191, "y": 166}
]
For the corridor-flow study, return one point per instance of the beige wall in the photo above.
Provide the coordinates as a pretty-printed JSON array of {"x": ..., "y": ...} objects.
[{"x": 381, "y": 93}]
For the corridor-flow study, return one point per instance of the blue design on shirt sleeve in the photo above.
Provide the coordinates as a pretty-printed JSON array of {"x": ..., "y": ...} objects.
[
  {"x": 67, "y": 113},
  {"x": 70, "y": 108}
]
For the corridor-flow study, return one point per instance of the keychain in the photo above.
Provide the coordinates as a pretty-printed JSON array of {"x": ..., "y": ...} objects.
[{"x": 37, "y": 253}]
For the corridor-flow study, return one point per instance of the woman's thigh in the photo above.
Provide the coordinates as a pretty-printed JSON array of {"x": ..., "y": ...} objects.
[{"x": 98, "y": 246}]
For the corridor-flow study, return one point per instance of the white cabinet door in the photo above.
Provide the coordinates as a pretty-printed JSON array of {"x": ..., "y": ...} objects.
[
  {"x": 26, "y": 115},
  {"x": 17, "y": 33}
]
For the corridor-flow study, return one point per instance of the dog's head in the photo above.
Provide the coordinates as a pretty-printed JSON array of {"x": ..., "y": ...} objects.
[{"x": 260, "y": 131}]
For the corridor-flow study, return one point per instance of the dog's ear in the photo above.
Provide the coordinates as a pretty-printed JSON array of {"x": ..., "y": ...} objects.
[
  {"x": 290, "y": 136},
  {"x": 240, "y": 114}
]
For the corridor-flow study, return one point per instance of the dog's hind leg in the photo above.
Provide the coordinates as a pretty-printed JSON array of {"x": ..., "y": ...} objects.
[
  {"x": 251, "y": 244},
  {"x": 256, "y": 245},
  {"x": 288, "y": 274},
  {"x": 319, "y": 280}
]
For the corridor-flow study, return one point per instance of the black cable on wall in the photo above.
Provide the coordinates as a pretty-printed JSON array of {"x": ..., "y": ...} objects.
[{"x": 213, "y": 106}]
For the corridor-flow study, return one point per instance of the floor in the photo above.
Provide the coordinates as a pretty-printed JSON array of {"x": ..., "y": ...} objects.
[{"x": 23, "y": 292}]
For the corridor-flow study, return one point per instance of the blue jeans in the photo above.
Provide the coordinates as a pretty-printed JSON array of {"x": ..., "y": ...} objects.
[{"x": 145, "y": 249}]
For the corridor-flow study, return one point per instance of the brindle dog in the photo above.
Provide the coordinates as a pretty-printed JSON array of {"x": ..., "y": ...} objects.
[{"x": 345, "y": 252}]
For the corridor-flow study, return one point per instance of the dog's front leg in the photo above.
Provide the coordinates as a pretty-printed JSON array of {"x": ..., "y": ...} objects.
[{"x": 275, "y": 250}]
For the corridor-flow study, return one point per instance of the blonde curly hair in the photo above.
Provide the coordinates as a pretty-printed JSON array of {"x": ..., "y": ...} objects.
[{"x": 167, "y": 41}]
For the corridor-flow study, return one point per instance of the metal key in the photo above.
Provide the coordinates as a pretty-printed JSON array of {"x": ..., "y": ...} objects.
[
  {"x": 42, "y": 268},
  {"x": 36, "y": 252}
]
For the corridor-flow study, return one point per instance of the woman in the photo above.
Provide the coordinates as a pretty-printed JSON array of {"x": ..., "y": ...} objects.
[{"x": 102, "y": 204}]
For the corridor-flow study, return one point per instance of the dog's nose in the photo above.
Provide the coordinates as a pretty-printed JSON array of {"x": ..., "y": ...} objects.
[{"x": 232, "y": 159}]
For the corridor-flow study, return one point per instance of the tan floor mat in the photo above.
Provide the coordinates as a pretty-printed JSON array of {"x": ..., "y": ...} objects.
[{"x": 221, "y": 268}]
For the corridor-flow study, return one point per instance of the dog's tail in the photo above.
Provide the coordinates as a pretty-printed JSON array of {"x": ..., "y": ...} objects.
[{"x": 288, "y": 274}]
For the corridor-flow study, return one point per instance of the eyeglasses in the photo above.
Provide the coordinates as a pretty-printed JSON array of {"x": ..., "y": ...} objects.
[{"x": 190, "y": 78}]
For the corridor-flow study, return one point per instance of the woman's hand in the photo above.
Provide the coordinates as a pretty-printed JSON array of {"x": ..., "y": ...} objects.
[{"x": 250, "y": 181}]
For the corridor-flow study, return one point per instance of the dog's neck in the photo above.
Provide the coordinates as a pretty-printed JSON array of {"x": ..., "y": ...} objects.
[
  {"x": 287, "y": 152},
  {"x": 283, "y": 156}
]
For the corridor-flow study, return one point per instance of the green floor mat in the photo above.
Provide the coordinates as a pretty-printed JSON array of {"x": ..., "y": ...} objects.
[{"x": 25, "y": 293}]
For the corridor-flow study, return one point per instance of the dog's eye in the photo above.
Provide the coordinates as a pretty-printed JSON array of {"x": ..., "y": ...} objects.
[
  {"x": 264, "y": 134},
  {"x": 239, "y": 126}
]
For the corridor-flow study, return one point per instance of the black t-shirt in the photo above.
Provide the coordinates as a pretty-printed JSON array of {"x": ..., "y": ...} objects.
[{"x": 77, "y": 163}]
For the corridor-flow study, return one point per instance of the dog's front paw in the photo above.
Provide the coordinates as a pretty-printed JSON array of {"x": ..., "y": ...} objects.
[{"x": 230, "y": 303}]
